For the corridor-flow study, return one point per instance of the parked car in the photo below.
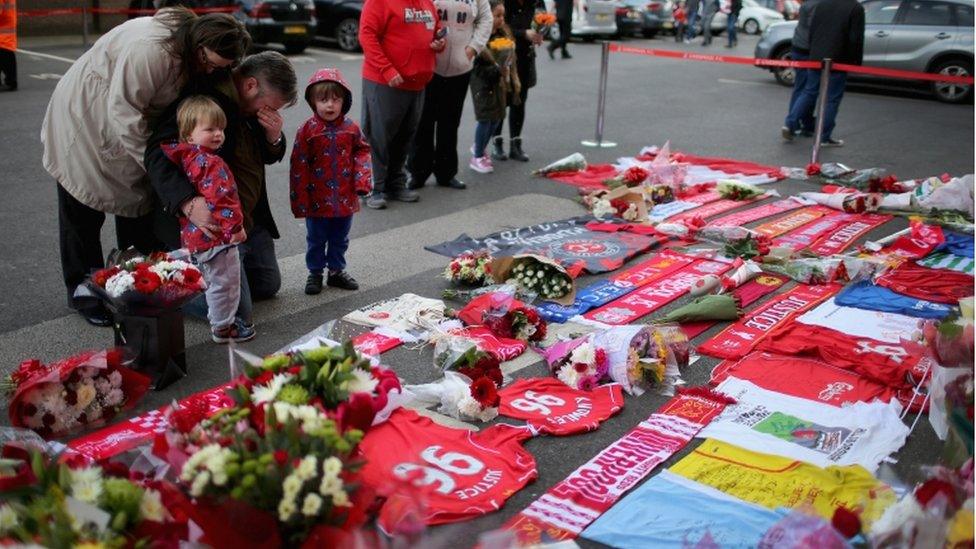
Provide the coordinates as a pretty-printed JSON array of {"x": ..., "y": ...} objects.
[
  {"x": 630, "y": 17},
  {"x": 339, "y": 22},
  {"x": 654, "y": 16},
  {"x": 591, "y": 18},
  {"x": 789, "y": 8},
  {"x": 915, "y": 35},
  {"x": 753, "y": 18},
  {"x": 288, "y": 22}
]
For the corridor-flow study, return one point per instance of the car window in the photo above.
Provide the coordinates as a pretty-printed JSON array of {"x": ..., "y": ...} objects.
[
  {"x": 920, "y": 12},
  {"x": 880, "y": 12},
  {"x": 964, "y": 16}
]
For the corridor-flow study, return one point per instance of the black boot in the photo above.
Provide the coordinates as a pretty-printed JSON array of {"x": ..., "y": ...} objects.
[
  {"x": 498, "y": 148},
  {"x": 516, "y": 152}
]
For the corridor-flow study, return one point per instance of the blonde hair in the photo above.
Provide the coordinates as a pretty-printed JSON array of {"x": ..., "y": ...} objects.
[{"x": 196, "y": 109}]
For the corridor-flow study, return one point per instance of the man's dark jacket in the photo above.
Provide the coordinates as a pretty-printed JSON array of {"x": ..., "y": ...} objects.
[
  {"x": 837, "y": 31},
  {"x": 245, "y": 149}
]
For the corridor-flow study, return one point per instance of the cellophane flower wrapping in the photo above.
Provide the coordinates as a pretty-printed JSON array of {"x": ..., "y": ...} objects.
[
  {"x": 137, "y": 284},
  {"x": 579, "y": 363},
  {"x": 536, "y": 274},
  {"x": 572, "y": 163},
  {"x": 460, "y": 397},
  {"x": 470, "y": 269},
  {"x": 505, "y": 316},
  {"x": 285, "y": 452},
  {"x": 74, "y": 393}
]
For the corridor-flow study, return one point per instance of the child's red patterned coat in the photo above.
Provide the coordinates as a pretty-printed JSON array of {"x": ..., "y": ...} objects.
[{"x": 330, "y": 168}]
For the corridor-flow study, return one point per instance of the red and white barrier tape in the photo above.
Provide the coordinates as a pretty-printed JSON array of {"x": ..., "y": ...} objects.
[{"x": 889, "y": 73}]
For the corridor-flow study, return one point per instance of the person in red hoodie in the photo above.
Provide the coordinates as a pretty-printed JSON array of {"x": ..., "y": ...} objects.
[
  {"x": 202, "y": 122},
  {"x": 330, "y": 170},
  {"x": 399, "y": 39}
]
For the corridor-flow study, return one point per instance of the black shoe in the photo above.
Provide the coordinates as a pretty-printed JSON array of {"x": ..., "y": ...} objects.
[
  {"x": 831, "y": 142},
  {"x": 376, "y": 201},
  {"x": 454, "y": 183},
  {"x": 313, "y": 284},
  {"x": 404, "y": 195},
  {"x": 516, "y": 150},
  {"x": 96, "y": 315},
  {"x": 341, "y": 279},
  {"x": 414, "y": 183},
  {"x": 498, "y": 149},
  {"x": 566, "y": 55},
  {"x": 552, "y": 52}
]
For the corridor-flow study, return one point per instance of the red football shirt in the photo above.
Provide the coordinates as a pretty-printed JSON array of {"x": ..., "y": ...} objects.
[
  {"x": 552, "y": 407},
  {"x": 466, "y": 473}
]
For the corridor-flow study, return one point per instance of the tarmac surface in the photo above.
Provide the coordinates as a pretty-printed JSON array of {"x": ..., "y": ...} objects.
[{"x": 731, "y": 111}]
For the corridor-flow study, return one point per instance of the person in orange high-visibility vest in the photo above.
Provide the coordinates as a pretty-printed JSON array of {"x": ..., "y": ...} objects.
[{"x": 8, "y": 44}]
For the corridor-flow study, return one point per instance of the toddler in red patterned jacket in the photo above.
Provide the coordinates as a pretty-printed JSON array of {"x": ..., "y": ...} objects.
[
  {"x": 330, "y": 170},
  {"x": 214, "y": 251}
]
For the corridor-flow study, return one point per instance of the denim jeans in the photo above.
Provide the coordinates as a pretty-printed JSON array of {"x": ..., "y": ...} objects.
[
  {"x": 482, "y": 135},
  {"x": 806, "y": 102},
  {"x": 806, "y": 123},
  {"x": 690, "y": 28},
  {"x": 261, "y": 280},
  {"x": 730, "y": 28},
  {"x": 327, "y": 239}
]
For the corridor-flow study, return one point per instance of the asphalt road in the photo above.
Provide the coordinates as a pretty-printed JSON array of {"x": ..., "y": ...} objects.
[{"x": 702, "y": 108}]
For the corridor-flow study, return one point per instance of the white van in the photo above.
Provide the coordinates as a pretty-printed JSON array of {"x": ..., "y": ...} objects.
[{"x": 591, "y": 18}]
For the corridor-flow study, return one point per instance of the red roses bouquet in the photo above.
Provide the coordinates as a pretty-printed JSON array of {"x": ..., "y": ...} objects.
[
  {"x": 159, "y": 281},
  {"x": 633, "y": 176},
  {"x": 74, "y": 393},
  {"x": 521, "y": 322}
]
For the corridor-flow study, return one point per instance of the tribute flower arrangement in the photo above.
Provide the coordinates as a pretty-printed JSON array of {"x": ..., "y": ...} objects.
[
  {"x": 158, "y": 281},
  {"x": 472, "y": 269}
]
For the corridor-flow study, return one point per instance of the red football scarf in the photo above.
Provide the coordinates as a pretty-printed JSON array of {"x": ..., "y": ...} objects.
[
  {"x": 570, "y": 506},
  {"x": 939, "y": 285},
  {"x": 748, "y": 293},
  {"x": 648, "y": 271},
  {"x": 502, "y": 348},
  {"x": 726, "y": 165},
  {"x": 714, "y": 208},
  {"x": 553, "y": 408},
  {"x": 657, "y": 294},
  {"x": 806, "y": 235},
  {"x": 792, "y": 221},
  {"x": 466, "y": 473},
  {"x": 840, "y": 238},
  {"x": 739, "y": 219},
  {"x": 739, "y": 338},
  {"x": 897, "y": 365}
]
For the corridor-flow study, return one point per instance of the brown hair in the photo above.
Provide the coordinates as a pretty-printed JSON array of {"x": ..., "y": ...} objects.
[
  {"x": 273, "y": 69},
  {"x": 196, "y": 109},
  {"x": 218, "y": 32},
  {"x": 323, "y": 90}
]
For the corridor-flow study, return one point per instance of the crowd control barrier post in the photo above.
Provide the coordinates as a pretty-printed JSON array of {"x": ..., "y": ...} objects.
[
  {"x": 821, "y": 104},
  {"x": 601, "y": 101}
]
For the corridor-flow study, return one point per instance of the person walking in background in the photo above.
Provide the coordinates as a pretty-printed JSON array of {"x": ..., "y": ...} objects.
[
  {"x": 564, "y": 18},
  {"x": 735, "y": 6},
  {"x": 399, "y": 39},
  {"x": 800, "y": 52},
  {"x": 8, "y": 45},
  {"x": 680, "y": 21},
  {"x": 518, "y": 16},
  {"x": 837, "y": 33},
  {"x": 710, "y": 8},
  {"x": 692, "y": 9},
  {"x": 492, "y": 84},
  {"x": 434, "y": 149},
  {"x": 330, "y": 170}
]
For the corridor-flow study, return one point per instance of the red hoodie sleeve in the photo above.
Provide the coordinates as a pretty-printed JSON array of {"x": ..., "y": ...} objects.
[
  {"x": 301, "y": 172},
  {"x": 372, "y": 25},
  {"x": 362, "y": 163}
]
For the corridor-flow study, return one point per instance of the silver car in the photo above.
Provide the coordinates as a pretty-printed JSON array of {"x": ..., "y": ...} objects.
[
  {"x": 933, "y": 36},
  {"x": 591, "y": 18}
]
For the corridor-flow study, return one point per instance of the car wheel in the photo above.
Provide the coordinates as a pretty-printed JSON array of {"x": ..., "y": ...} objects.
[
  {"x": 785, "y": 75},
  {"x": 294, "y": 48},
  {"x": 751, "y": 26},
  {"x": 347, "y": 35},
  {"x": 949, "y": 92}
]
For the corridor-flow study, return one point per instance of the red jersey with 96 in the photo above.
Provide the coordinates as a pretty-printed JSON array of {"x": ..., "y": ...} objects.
[
  {"x": 552, "y": 407},
  {"x": 465, "y": 473}
]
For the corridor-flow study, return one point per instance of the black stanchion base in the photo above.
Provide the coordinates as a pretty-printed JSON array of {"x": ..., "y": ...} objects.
[{"x": 157, "y": 344}]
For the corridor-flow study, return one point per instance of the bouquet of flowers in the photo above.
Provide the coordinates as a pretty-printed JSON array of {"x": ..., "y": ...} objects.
[
  {"x": 502, "y": 50},
  {"x": 621, "y": 202},
  {"x": 462, "y": 355},
  {"x": 49, "y": 504},
  {"x": 157, "y": 282},
  {"x": 537, "y": 274},
  {"x": 74, "y": 393},
  {"x": 522, "y": 323},
  {"x": 737, "y": 190},
  {"x": 645, "y": 357},
  {"x": 752, "y": 245},
  {"x": 472, "y": 268},
  {"x": 852, "y": 202},
  {"x": 461, "y": 396},
  {"x": 572, "y": 163},
  {"x": 633, "y": 176},
  {"x": 543, "y": 21},
  {"x": 579, "y": 363}
]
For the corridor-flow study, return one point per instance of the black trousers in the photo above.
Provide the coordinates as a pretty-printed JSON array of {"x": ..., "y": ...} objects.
[
  {"x": 390, "y": 117},
  {"x": 516, "y": 116},
  {"x": 434, "y": 149},
  {"x": 565, "y": 31},
  {"x": 80, "y": 230},
  {"x": 8, "y": 66}
]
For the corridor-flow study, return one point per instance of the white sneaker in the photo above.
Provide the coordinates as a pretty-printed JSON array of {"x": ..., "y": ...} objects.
[{"x": 480, "y": 165}]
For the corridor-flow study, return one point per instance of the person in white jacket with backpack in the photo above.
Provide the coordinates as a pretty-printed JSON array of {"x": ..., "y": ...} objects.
[{"x": 434, "y": 149}]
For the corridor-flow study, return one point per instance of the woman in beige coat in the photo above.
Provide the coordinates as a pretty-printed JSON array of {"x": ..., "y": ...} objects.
[{"x": 98, "y": 121}]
